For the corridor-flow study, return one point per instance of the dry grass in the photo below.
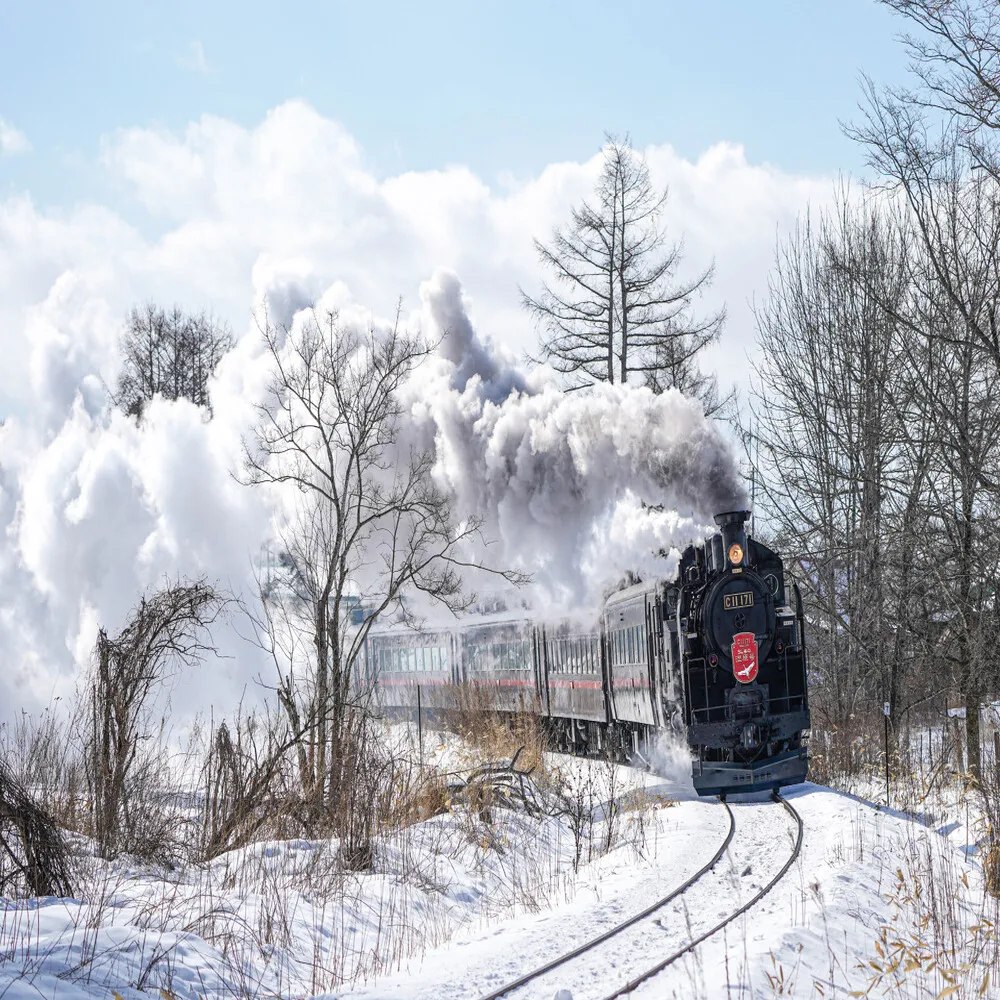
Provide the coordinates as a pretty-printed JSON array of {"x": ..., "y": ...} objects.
[{"x": 488, "y": 735}]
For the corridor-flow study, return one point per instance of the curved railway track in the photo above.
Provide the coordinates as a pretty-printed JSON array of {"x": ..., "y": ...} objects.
[{"x": 659, "y": 967}]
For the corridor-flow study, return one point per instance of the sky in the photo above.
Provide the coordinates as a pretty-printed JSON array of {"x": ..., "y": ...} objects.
[
  {"x": 504, "y": 89},
  {"x": 511, "y": 100},
  {"x": 235, "y": 158}
]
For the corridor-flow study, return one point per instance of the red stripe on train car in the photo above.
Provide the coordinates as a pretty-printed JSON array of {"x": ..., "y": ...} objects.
[
  {"x": 408, "y": 682},
  {"x": 591, "y": 685},
  {"x": 505, "y": 682}
]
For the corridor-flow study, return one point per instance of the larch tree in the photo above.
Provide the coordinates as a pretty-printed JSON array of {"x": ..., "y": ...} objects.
[{"x": 615, "y": 305}]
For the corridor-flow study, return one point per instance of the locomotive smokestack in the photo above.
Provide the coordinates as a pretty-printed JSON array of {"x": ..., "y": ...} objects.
[{"x": 733, "y": 526}]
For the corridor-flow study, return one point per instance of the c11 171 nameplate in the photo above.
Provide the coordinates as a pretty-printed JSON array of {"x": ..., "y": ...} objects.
[{"x": 732, "y": 602}]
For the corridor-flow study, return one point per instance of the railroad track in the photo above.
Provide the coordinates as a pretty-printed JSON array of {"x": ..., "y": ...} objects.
[{"x": 653, "y": 970}]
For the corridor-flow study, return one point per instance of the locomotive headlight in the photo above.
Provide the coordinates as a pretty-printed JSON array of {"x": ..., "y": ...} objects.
[{"x": 736, "y": 553}]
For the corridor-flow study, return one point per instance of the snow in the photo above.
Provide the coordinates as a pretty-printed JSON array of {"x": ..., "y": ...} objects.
[{"x": 449, "y": 912}]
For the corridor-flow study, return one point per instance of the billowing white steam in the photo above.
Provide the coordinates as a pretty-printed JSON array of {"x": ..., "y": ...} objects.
[{"x": 575, "y": 489}]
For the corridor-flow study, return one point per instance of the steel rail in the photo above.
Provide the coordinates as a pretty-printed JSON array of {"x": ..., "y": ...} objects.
[
  {"x": 660, "y": 966},
  {"x": 618, "y": 928}
]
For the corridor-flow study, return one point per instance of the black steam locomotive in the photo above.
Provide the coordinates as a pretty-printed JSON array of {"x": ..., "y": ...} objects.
[{"x": 717, "y": 653}]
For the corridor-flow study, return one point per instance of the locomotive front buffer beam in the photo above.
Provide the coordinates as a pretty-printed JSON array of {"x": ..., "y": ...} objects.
[{"x": 713, "y": 777}]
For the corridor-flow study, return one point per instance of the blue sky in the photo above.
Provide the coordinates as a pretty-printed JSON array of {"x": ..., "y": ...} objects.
[{"x": 502, "y": 88}]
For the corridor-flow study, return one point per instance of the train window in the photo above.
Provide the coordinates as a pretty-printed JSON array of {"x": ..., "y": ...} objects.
[{"x": 444, "y": 657}]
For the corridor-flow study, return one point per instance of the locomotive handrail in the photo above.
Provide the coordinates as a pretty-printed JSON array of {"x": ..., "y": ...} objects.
[{"x": 618, "y": 928}]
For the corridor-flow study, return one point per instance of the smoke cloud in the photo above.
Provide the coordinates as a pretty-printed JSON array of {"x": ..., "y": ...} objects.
[{"x": 575, "y": 489}]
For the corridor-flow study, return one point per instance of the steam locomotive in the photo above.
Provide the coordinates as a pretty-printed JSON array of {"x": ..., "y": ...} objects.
[{"x": 717, "y": 653}]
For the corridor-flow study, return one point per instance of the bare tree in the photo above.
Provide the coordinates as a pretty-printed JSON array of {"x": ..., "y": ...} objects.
[
  {"x": 369, "y": 527},
  {"x": 927, "y": 144},
  {"x": 676, "y": 367},
  {"x": 172, "y": 354},
  {"x": 826, "y": 455},
  {"x": 615, "y": 304},
  {"x": 956, "y": 60},
  {"x": 33, "y": 855},
  {"x": 245, "y": 774},
  {"x": 167, "y": 629}
]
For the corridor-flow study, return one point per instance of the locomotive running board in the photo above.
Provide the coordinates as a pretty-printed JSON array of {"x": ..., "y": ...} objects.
[{"x": 717, "y": 778}]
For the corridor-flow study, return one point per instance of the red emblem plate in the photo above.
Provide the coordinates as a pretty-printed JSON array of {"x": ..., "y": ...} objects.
[{"x": 744, "y": 657}]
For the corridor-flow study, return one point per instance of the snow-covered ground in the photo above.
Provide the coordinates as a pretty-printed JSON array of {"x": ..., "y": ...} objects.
[{"x": 454, "y": 910}]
